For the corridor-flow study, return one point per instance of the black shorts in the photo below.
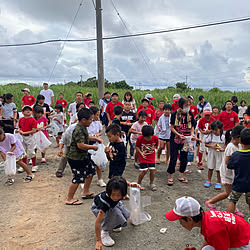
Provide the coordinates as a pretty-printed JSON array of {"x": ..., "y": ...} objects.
[
  {"x": 116, "y": 170},
  {"x": 105, "y": 120},
  {"x": 81, "y": 169},
  {"x": 166, "y": 140},
  {"x": 146, "y": 166}
]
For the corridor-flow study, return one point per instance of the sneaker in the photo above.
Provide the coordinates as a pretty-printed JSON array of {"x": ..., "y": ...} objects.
[
  {"x": 43, "y": 160},
  {"x": 30, "y": 162},
  {"x": 107, "y": 241},
  {"x": 207, "y": 184},
  {"x": 20, "y": 170},
  {"x": 237, "y": 212},
  {"x": 34, "y": 169},
  {"x": 200, "y": 166},
  {"x": 211, "y": 207},
  {"x": 189, "y": 164},
  {"x": 117, "y": 230},
  {"x": 101, "y": 183}
]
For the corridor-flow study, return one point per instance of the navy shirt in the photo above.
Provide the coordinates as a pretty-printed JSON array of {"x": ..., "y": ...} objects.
[
  {"x": 127, "y": 117},
  {"x": 103, "y": 202},
  {"x": 240, "y": 162}
]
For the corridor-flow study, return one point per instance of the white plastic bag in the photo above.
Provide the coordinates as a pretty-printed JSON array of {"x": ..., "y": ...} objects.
[
  {"x": 42, "y": 141},
  {"x": 137, "y": 215},
  {"x": 19, "y": 137},
  {"x": 54, "y": 128},
  {"x": 99, "y": 157},
  {"x": 10, "y": 165}
]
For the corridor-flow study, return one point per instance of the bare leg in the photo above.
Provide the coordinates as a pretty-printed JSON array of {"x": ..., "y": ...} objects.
[
  {"x": 167, "y": 152},
  {"x": 152, "y": 175},
  {"x": 136, "y": 157},
  {"x": 231, "y": 207},
  {"x": 218, "y": 177},
  {"x": 25, "y": 167},
  {"x": 210, "y": 174},
  {"x": 161, "y": 147},
  {"x": 99, "y": 173},
  {"x": 43, "y": 155},
  {"x": 222, "y": 195},
  {"x": 72, "y": 189},
  {"x": 85, "y": 191},
  {"x": 141, "y": 176}
]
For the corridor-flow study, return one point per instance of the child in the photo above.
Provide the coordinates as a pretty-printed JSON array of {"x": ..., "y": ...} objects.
[
  {"x": 228, "y": 117},
  {"x": 91, "y": 104},
  {"x": 27, "y": 128},
  {"x": 79, "y": 159},
  {"x": 116, "y": 151},
  {"x": 221, "y": 230},
  {"x": 27, "y": 99},
  {"x": 159, "y": 112},
  {"x": 150, "y": 113},
  {"x": 87, "y": 98},
  {"x": 58, "y": 118},
  {"x": 215, "y": 142},
  {"x": 74, "y": 118},
  {"x": 175, "y": 105},
  {"x": 109, "y": 210},
  {"x": 215, "y": 113},
  {"x": 149, "y": 97},
  {"x": 193, "y": 108},
  {"x": 247, "y": 118},
  {"x": 145, "y": 147},
  {"x": 164, "y": 133},
  {"x": 118, "y": 114},
  {"x": 136, "y": 132},
  {"x": 40, "y": 102},
  {"x": 12, "y": 146},
  {"x": 242, "y": 109},
  {"x": 103, "y": 104},
  {"x": 95, "y": 130},
  {"x": 205, "y": 129},
  {"x": 239, "y": 161},
  {"x": 42, "y": 125},
  {"x": 64, "y": 103},
  {"x": 227, "y": 175},
  {"x": 128, "y": 118}
]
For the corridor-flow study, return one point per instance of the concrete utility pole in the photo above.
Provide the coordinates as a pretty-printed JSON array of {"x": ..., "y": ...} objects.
[
  {"x": 99, "y": 49},
  {"x": 81, "y": 81}
]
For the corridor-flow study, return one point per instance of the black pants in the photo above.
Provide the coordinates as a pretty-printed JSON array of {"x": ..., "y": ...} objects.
[
  {"x": 132, "y": 150},
  {"x": 174, "y": 149}
]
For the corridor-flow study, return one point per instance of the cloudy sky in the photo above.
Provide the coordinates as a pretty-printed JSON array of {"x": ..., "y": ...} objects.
[{"x": 215, "y": 56}]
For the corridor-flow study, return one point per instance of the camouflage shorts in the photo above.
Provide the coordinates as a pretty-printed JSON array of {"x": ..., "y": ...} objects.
[{"x": 235, "y": 196}]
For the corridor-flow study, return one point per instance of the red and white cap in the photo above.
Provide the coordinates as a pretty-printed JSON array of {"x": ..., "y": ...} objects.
[
  {"x": 149, "y": 96},
  {"x": 184, "y": 207},
  {"x": 176, "y": 98},
  {"x": 207, "y": 111},
  {"x": 26, "y": 89}
]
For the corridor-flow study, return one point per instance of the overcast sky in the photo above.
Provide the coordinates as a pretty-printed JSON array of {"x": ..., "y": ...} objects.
[{"x": 215, "y": 56}]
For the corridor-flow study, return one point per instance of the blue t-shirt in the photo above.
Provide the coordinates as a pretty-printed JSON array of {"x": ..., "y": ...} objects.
[{"x": 240, "y": 162}]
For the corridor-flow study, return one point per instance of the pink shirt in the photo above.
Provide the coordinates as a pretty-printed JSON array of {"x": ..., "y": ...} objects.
[
  {"x": 42, "y": 123},
  {"x": 136, "y": 126}
]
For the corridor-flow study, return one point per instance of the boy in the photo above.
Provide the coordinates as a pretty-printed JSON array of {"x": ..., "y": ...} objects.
[
  {"x": 118, "y": 114},
  {"x": 116, "y": 151},
  {"x": 164, "y": 133},
  {"x": 103, "y": 104},
  {"x": 128, "y": 118},
  {"x": 72, "y": 107},
  {"x": 27, "y": 99},
  {"x": 87, "y": 98},
  {"x": 221, "y": 230},
  {"x": 228, "y": 117},
  {"x": 175, "y": 105},
  {"x": 215, "y": 113},
  {"x": 48, "y": 94},
  {"x": 150, "y": 113},
  {"x": 64, "y": 103},
  {"x": 145, "y": 147},
  {"x": 79, "y": 159},
  {"x": 239, "y": 161},
  {"x": 91, "y": 104},
  {"x": 149, "y": 97},
  {"x": 27, "y": 128},
  {"x": 110, "y": 107},
  {"x": 205, "y": 129},
  {"x": 159, "y": 112},
  {"x": 193, "y": 108}
]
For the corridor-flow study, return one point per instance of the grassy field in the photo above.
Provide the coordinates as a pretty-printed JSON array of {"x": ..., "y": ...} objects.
[{"x": 215, "y": 97}]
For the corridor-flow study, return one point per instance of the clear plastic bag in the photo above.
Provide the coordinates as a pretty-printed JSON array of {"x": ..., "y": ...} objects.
[
  {"x": 189, "y": 144},
  {"x": 99, "y": 157},
  {"x": 10, "y": 165},
  {"x": 137, "y": 215},
  {"x": 42, "y": 141},
  {"x": 54, "y": 128}
]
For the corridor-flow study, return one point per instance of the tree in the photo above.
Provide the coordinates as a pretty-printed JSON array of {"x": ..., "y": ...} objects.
[{"x": 182, "y": 86}]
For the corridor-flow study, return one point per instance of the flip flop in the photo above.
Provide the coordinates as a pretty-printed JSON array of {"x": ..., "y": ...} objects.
[
  {"x": 142, "y": 187},
  {"x": 170, "y": 182},
  {"x": 74, "y": 203},
  {"x": 187, "y": 171},
  {"x": 153, "y": 187},
  {"x": 89, "y": 196},
  {"x": 184, "y": 180}
]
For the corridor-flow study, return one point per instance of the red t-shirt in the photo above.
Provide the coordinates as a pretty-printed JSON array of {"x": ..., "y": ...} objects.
[
  {"x": 217, "y": 117},
  {"x": 148, "y": 148},
  {"x": 150, "y": 106},
  {"x": 28, "y": 100},
  {"x": 194, "y": 110},
  {"x": 63, "y": 102},
  {"x": 27, "y": 124},
  {"x": 228, "y": 119},
  {"x": 158, "y": 114},
  {"x": 204, "y": 124},
  {"x": 110, "y": 109},
  {"x": 247, "y": 125},
  {"x": 224, "y": 230},
  {"x": 174, "y": 107},
  {"x": 150, "y": 115}
]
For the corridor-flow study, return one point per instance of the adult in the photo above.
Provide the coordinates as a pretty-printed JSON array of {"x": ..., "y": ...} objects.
[
  {"x": 103, "y": 102},
  {"x": 193, "y": 108},
  {"x": 48, "y": 94},
  {"x": 175, "y": 105},
  {"x": 129, "y": 98},
  {"x": 182, "y": 125},
  {"x": 150, "y": 98},
  {"x": 234, "y": 101},
  {"x": 72, "y": 107},
  {"x": 202, "y": 104}
]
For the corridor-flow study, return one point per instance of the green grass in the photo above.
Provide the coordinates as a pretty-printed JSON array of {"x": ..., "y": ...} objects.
[{"x": 214, "y": 97}]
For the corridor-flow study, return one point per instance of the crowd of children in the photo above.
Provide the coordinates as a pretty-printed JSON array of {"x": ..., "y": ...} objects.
[{"x": 146, "y": 131}]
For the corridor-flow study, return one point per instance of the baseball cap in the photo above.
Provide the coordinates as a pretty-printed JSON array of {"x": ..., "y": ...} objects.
[
  {"x": 176, "y": 97},
  {"x": 149, "y": 96},
  {"x": 184, "y": 207},
  {"x": 26, "y": 89},
  {"x": 190, "y": 97},
  {"x": 207, "y": 111}
]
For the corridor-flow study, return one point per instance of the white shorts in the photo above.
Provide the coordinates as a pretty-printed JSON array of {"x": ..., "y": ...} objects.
[
  {"x": 227, "y": 175},
  {"x": 215, "y": 159},
  {"x": 29, "y": 144},
  {"x": 202, "y": 144}
]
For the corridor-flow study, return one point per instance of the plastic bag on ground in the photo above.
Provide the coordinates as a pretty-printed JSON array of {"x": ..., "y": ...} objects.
[
  {"x": 99, "y": 157},
  {"x": 137, "y": 215},
  {"x": 54, "y": 128},
  {"x": 42, "y": 142},
  {"x": 10, "y": 165}
]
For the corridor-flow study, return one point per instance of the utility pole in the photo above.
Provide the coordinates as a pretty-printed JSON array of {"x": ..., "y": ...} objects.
[
  {"x": 99, "y": 49},
  {"x": 186, "y": 80},
  {"x": 81, "y": 81}
]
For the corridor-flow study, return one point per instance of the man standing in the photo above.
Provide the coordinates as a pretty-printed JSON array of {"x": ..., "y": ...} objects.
[
  {"x": 72, "y": 107},
  {"x": 48, "y": 94}
]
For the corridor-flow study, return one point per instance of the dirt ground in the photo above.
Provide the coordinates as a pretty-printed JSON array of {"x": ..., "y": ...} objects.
[{"x": 33, "y": 215}]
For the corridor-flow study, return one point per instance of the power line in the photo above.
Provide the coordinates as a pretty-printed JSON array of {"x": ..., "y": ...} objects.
[
  {"x": 59, "y": 55},
  {"x": 131, "y": 35}
]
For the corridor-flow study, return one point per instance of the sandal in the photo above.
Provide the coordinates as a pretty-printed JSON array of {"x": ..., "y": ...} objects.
[
  {"x": 170, "y": 182},
  {"x": 142, "y": 187},
  {"x": 153, "y": 187},
  {"x": 187, "y": 171},
  {"x": 183, "y": 180},
  {"x": 9, "y": 182},
  {"x": 74, "y": 203},
  {"x": 28, "y": 178},
  {"x": 211, "y": 207},
  {"x": 89, "y": 196}
]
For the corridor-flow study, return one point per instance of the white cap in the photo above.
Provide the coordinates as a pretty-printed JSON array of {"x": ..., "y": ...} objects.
[
  {"x": 26, "y": 89},
  {"x": 149, "y": 96},
  {"x": 207, "y": 111},
  {"x": 184, "y": 207},
  {"x": 176, "y": 97}
]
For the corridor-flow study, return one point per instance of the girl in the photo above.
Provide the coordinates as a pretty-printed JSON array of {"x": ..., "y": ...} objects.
[
  {"x": 95, "y": 129},
  {"x": 129, "y": 98},
  {"x": 242, "y": 109},
  {"x": 9, "y": 114},
  {"x": 232, "y": 138},
  {"x": 42, "y": 125},
  {"x": 9, "y": 144},
  {"x": 247, "y": 118},
  {"x": 215, "y": 142},
  {"x": 79, "y": 106},
  {"x": 40, "y": 102},
  {"x": 58, "y": 118},
  {"x": 110, "y": 213}
]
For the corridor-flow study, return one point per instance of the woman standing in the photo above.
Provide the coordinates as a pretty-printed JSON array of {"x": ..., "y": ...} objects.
[{"x": 129, "y": 98}]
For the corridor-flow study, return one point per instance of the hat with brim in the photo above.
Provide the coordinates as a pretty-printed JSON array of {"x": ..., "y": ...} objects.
[
  {"x": 26, "y": 89},
  {"x": 149, "y": 96},
  {"x": 172, "y": 216},
  {"x": 207, "y": 111},
  {"x": 176, "y": 98}
]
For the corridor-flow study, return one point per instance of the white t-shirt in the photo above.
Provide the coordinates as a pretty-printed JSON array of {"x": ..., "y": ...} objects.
[
  {"x": 215, "y": 139},
  {"x": 9, "y": 109},
  {"x": 94, "y": 128},
  {"x": 72, "y": 108},
  {"x": 164, "y": 134},
  {"x": 48, "y": 93},
  {"x": 197, "y": 128},
  {"x": 242, "y": 110},
  {"x": 103, "y": 104}
]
